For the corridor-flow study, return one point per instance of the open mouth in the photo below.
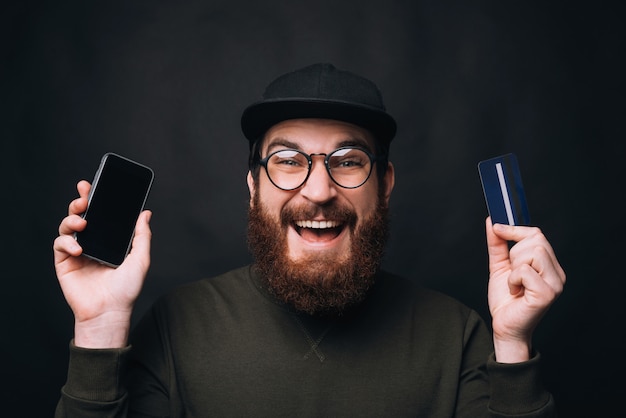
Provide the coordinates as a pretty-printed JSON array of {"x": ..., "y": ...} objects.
[{"x": 318, "y": 231}]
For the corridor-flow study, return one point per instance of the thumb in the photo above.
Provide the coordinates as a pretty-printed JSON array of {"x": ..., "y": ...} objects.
[
  {"x": 140, "y": 249},
  {"x": 497, "y": 248}
]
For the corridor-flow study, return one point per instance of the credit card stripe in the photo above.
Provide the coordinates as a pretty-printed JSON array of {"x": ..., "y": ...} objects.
[{"x": 505, "y": 194}]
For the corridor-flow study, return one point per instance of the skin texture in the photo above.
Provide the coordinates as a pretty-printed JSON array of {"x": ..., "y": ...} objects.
[
  {"x": 318, "y": 136},
  {"x": 101, "y": 298},
  {"x": 523, "y": 282},
  {"x": 318, "y": 270},
  {"x": 524, "y": 279}
]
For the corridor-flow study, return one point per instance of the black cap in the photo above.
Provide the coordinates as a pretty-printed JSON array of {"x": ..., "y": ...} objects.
[{"x": 320, "y": 91}]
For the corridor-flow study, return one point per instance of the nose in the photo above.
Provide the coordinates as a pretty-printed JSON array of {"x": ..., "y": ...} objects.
[{"x": 319, "y": 187}]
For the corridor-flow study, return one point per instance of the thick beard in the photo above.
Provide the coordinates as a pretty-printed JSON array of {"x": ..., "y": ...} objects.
[{"x": 318, "y": 285}]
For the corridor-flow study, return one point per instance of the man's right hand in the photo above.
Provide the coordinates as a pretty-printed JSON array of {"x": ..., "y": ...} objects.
[{"x": 100, "y": 297}]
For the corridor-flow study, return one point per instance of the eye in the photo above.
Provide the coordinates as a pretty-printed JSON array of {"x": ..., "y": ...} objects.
[
  {"x": 288, "y": 159},
  {"x": 349, "y": 158},
  {"x": 350, "y": 163}
]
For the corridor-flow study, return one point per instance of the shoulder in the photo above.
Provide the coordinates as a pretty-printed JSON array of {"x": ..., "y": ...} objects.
[
  {"x": 390, "y": 285},
  {"x": 400, "y": 309},
  {"x": 221, "y": 288},
  {"x": 409, "y": 297}
]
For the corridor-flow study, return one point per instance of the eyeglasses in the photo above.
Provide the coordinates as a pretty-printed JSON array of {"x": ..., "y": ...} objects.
[{"x": 348, "y": 167}]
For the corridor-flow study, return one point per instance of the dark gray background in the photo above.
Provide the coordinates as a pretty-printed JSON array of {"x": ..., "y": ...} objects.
[{"x": 165, "y": 83}]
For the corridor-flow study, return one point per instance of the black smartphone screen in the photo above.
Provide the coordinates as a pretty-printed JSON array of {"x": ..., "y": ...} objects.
[{"x": 118, "y": 195}]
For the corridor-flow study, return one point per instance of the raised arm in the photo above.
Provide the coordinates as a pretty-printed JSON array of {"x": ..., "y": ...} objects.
[
  {"x": 524, "y": 281},
  {"x": 100, "y": 297}
]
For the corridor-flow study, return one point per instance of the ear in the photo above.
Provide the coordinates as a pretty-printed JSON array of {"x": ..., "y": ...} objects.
[
  {"x": 389, "y": 181},
  {"x": 251, "y": 187}
]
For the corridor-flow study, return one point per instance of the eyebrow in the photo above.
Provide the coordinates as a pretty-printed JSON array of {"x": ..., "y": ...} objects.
[
  {"x": 282, "y": 142},
  {"x": 348, "y": 142}
]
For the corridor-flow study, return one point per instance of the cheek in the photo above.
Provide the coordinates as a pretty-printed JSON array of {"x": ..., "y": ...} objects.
[
  {"x": 365, "y": 203},
  {"x": 271, "y": 200}
]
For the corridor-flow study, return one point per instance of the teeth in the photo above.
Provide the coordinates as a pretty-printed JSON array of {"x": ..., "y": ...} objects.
[{"x": 317, "y": 224}]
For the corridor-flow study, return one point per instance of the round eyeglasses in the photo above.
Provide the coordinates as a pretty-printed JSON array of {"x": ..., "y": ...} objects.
[{"x": 348, "y": 167}]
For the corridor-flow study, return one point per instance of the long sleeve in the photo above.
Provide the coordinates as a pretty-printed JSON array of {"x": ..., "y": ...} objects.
[
  {"x": 94, "y": 385},
  {"x": 222, "y": 347},
  {"x": 518, "y": 387}
]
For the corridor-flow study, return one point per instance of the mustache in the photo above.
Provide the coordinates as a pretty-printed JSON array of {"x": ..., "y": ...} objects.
[{"x": 331, "y": 211}]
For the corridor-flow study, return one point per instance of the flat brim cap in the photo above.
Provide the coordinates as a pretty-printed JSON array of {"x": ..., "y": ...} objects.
[{"x": 324, "y": 92}]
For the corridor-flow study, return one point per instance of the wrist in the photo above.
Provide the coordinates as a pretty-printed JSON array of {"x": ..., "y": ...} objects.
[
  {"x": 106, "y": 331},
  {"x": 511, "y": 351}
]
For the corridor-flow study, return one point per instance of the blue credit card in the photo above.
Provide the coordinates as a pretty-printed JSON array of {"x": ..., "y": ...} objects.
[{"x": 504, "y": 192}]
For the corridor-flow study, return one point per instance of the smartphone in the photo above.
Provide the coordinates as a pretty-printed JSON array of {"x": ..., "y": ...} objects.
[
  {"x": 503, "y": 189},
  {"x": 118, "y": 194}
]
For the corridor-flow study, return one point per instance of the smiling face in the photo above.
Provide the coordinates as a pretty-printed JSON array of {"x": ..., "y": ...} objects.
[
  {"x": 321, "y": 236},
  {"x": 320, "y": 216}
]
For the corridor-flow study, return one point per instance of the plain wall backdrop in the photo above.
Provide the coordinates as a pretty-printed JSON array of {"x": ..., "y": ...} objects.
[{"x": 165, "y": 83}]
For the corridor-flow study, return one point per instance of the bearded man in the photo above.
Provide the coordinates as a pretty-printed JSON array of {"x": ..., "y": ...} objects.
[{"x": 314, "y": 327}]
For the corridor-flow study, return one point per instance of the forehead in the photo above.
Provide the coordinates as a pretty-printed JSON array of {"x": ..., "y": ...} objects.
[{"x": 317, "y": 135}]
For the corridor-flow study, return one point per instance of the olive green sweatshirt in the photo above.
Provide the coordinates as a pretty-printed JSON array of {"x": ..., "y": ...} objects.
[{"x": 224, "y": 347}]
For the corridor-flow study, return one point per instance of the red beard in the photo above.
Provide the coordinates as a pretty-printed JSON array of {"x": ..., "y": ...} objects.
[{"x": 325, "y": 284}]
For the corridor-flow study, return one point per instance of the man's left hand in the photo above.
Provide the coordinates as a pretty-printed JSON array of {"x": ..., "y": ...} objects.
[{"x": 524, "y": 281}]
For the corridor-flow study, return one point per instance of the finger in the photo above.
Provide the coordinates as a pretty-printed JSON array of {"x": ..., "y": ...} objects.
[
  {"x": 143, "y": 233},
  {"x": 65, "y": 246},
  {"x": 537, "y": 292},
  {"x": 140, "y": 249},
  {"x": 542, "y": 261},
  {"x": 526, "y": 237},
  {"x": 497, "y": 248},
  {"x": 518, "y": 233},
  {"x": 71, "y": 224},
  {"x": 79, "y": 205},
  {"x": 83, "y": 188},
  {"x": 534, "y": 249}
]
